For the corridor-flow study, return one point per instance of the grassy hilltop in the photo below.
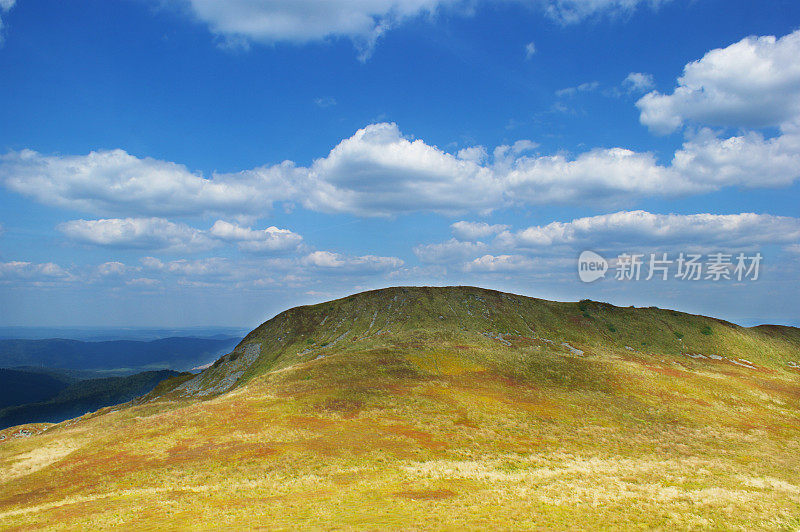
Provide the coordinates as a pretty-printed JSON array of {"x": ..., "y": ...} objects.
[{"x": 440, "y": 408}]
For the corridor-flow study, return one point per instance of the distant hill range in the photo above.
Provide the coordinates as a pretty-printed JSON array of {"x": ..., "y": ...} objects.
[
  {"x": 104, "y": 334},
  {"x": 56, "y": 379},
  {"x": 34, "y": 397},
  {"x": 124, "y": 355}
]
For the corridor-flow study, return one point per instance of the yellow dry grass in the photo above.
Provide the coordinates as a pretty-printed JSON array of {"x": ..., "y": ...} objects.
[{"x": 451, "y": 433}]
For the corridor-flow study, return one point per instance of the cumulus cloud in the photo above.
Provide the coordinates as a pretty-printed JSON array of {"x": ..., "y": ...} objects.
[
  {"x": 112, "y": 269},
  {"x": 748, "y": 160},
  {"x": 212, "y": 272},
  {"x": 164, "y": 235},
  {"x": 223, "y": 269},
  {"x": 499, "y": 263},
  {"x": 752, "y": 83},
  {"x": 207, "y": 267},
  {"x": 476, "y": 230},
  {"x": 642, "y": 228},
  {"x": 530, "y": 50},
  {"x": 336, "y": 261},
  {"x": 624, "y": 230},
  {"x": 377, "y": 170},
  {"x": 270, "y": 239},
  {"x": 380, "y": 172},
  {"x": 18, "y": 271},
  {"x": 593, "y": 176},
  {"x": 249, "y": 272},
  {"x": 638, "y": 82},
  {"x": 138, "y": 233},
  {"x": 302, "y": 21},
  {"x": 363, "y": 21},
  {"x": 448, "y": 251},
  {"x": 113, "y": 181}
]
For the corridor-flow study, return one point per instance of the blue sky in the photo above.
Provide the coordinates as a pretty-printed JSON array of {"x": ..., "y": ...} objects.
[{"x": 181, "y": 163}]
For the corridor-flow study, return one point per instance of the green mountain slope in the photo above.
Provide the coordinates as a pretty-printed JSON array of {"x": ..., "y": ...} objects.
[
  {"x": 440, "y": 408},
  {"x": 465, "y": 325}
]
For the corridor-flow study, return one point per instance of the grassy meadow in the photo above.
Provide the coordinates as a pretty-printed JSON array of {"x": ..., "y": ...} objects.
[{"x": 440, "y": 408}]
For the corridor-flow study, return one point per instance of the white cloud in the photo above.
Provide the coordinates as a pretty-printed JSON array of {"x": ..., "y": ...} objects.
[
  {"x": 138, "y": 233},
  {"x": 208, "y": 267},
  {"x": 18, "y": 271},
  {"x": 113, "y": 181},
  {"x": 752, "y": 83},
  {"x": 522, "y": 146},
  {"x": 380, "y": 172},
  {"x": 573, "y": 11},
  {"x": 250, "y": 272},
  {"x": 474, "y": 154},
  {"x": 597, "y": 175},
  {"x": 324, "y": 259},
  {"x": 638, "y": 82},
  {"x": 164, "y": 235},
  {"x": 144, "y": 282},
  {"x": 211, "y": 272},
  {"x": 449, "y": 251},
  {"x": 583, "y": 87},
  {"x": 748, "y": 160},
  {"x": 336, "y": 261},
  {"x": 325, "y": 102},
  {"x": 363, "y": 21},
  {"x": 5, "y": 7},
  {"x": 641, "y": 228},
  {"x": 270, "y": 239},
  {"x": 375, "y": 172},
  {"x": 112, "y": 269},
  {"x": 620, "y": 231},
  {"x": 151, "y": 263},
  {"x": 301, "y": 21},
  {"x": 418, "y": 273},
  {"x": 530, "y": 50},
  {"x": 499, "y": 263},
  {"x": 476, "y": 230}
]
